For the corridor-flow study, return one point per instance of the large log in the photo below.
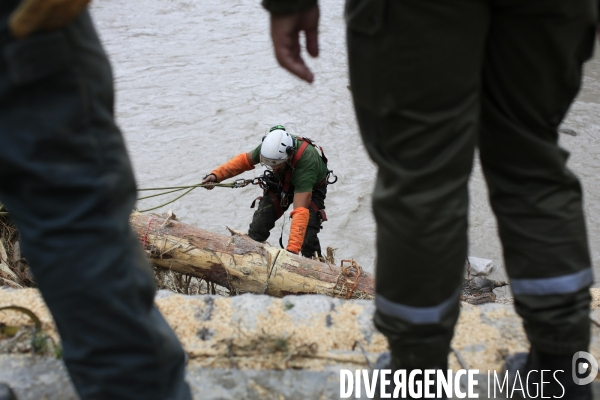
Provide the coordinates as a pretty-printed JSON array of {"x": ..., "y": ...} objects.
[{"x": 244, "y": 265}]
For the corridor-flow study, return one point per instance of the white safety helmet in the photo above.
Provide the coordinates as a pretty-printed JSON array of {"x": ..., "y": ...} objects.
[{"x": 277, "y": 146}]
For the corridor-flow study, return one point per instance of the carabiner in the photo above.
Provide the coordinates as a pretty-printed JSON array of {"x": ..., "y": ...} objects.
[
  {"x": 330, "y": 173},
  {"x": 240, "y": 183}
]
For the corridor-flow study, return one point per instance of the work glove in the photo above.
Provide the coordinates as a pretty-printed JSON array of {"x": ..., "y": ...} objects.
[
  {"x": 233, "y": 167},
  {"x": 300, "y": 218},
  {"x": 208, "y": 179},
  {"x": 34, "y": 15}
]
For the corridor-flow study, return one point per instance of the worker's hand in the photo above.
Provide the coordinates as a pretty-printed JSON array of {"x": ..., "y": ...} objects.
[
  {"x": 285, "y": 33},
  {"x": 34, "y": 15},
  {"x": 208, "y": 179}
]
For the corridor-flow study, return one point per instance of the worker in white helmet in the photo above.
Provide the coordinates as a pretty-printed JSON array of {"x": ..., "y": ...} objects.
[{"x": 296, "y": 174}]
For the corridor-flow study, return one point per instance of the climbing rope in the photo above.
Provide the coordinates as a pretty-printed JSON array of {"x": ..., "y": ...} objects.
[
  {"x": 238, "y": 183},
  {"x": 266, "y": 181}
]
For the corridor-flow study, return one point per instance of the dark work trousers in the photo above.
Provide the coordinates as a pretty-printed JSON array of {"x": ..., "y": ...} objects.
[
  {"x": 267, "y": 214},
  {"x": 432, "y": 80},
  {"x": 67, "y": 182}
]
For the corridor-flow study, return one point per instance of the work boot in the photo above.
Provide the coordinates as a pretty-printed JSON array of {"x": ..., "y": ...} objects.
[
  {"x": 6, "y": 393},
  {"x": 559, "y": 385},
  {"x": 385, "y": 361}
]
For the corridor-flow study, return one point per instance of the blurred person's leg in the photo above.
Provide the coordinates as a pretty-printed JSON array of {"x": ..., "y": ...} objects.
[
  {"x": 532, "y": 72},
  {"x": 67, "y": 182},
  {"x": 415, "y": 74}
]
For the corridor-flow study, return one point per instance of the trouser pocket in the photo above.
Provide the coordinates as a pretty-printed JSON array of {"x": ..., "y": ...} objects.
[{"x": 365, "y": 23}]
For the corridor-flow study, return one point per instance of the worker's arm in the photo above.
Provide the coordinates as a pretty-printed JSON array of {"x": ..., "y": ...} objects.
[
  {"x": 302, "y": 199},
  {"x": 300, "y": 217},
  {"x": 35, "y": 15},
  {"x": 241, "y": 163},
  {"x": 250, "y": 159}
]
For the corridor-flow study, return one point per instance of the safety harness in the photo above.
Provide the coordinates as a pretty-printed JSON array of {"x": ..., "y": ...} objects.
[{"x": 280, "y": 192}]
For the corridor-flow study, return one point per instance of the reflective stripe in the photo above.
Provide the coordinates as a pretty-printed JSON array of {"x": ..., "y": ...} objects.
[
  {"x": 558, "y": 285},
  {"x": 416, "y": 315}
]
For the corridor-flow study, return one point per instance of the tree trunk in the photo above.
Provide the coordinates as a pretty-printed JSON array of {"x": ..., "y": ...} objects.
[{"x": 243, "y": 265}]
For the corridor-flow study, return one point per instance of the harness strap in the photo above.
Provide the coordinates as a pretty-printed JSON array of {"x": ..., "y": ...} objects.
[
  {"x": 288, "y": 176},
  {"x": 259, "y": 198},
  {"x": 313, "y": 143},
  {"x": 276, "y": 203},
  {"x": 315, "y": 208},
  {"x": 279, "y": 210},
  {"x": 298, "y": 155}
]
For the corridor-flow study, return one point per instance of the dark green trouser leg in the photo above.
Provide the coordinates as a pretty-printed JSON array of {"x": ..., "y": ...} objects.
[
  {"x": 264, "y": 219},
  {"x": 532, "y": 73},
  {"x": 311, "y": 243},
  {"x": 266, "y": 215},
  {"x": 415, "y": 69}
]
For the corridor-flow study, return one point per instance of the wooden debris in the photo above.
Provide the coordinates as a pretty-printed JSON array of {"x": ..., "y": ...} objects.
[
  {"x": 243, "y": 265},
  {"x": 3, "y": 255}
]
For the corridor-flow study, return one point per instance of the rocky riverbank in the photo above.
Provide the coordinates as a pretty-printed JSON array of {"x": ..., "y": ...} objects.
[{"x": 256, "y": 346}]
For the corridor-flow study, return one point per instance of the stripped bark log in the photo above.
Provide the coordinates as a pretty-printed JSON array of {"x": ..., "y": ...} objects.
[{"x": 241, "y": 264}]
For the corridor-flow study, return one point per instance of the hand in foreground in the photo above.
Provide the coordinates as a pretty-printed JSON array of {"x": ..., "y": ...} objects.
[
  {"x": 208, "y": 179},
  {"x": 285, "y": 33},
  {"x": 33, "y": 15}
]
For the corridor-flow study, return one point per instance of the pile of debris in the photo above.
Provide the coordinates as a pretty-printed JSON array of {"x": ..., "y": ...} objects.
[{"x": 13, "y": 268}]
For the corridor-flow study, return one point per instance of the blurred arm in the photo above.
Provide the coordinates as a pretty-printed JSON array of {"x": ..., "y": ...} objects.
[{"x": 285, "y": 34}]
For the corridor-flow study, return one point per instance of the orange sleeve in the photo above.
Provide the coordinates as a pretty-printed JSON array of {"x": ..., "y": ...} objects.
[
  {"x": 233, "y": 167},
  {"x": 300, "y": 217}
]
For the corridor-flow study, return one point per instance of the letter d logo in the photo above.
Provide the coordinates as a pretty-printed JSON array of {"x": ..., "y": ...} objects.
[{"x": 590, "y": 367}]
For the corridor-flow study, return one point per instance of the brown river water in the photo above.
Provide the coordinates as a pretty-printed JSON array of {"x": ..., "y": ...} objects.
[{"x": 197, "y": 83}]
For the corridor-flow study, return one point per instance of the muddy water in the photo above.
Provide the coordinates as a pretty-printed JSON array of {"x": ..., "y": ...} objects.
[{"x": 197, "y": 84}]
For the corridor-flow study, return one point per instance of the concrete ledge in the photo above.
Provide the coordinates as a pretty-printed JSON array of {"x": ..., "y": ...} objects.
[{"x": 260, "y": 347}]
